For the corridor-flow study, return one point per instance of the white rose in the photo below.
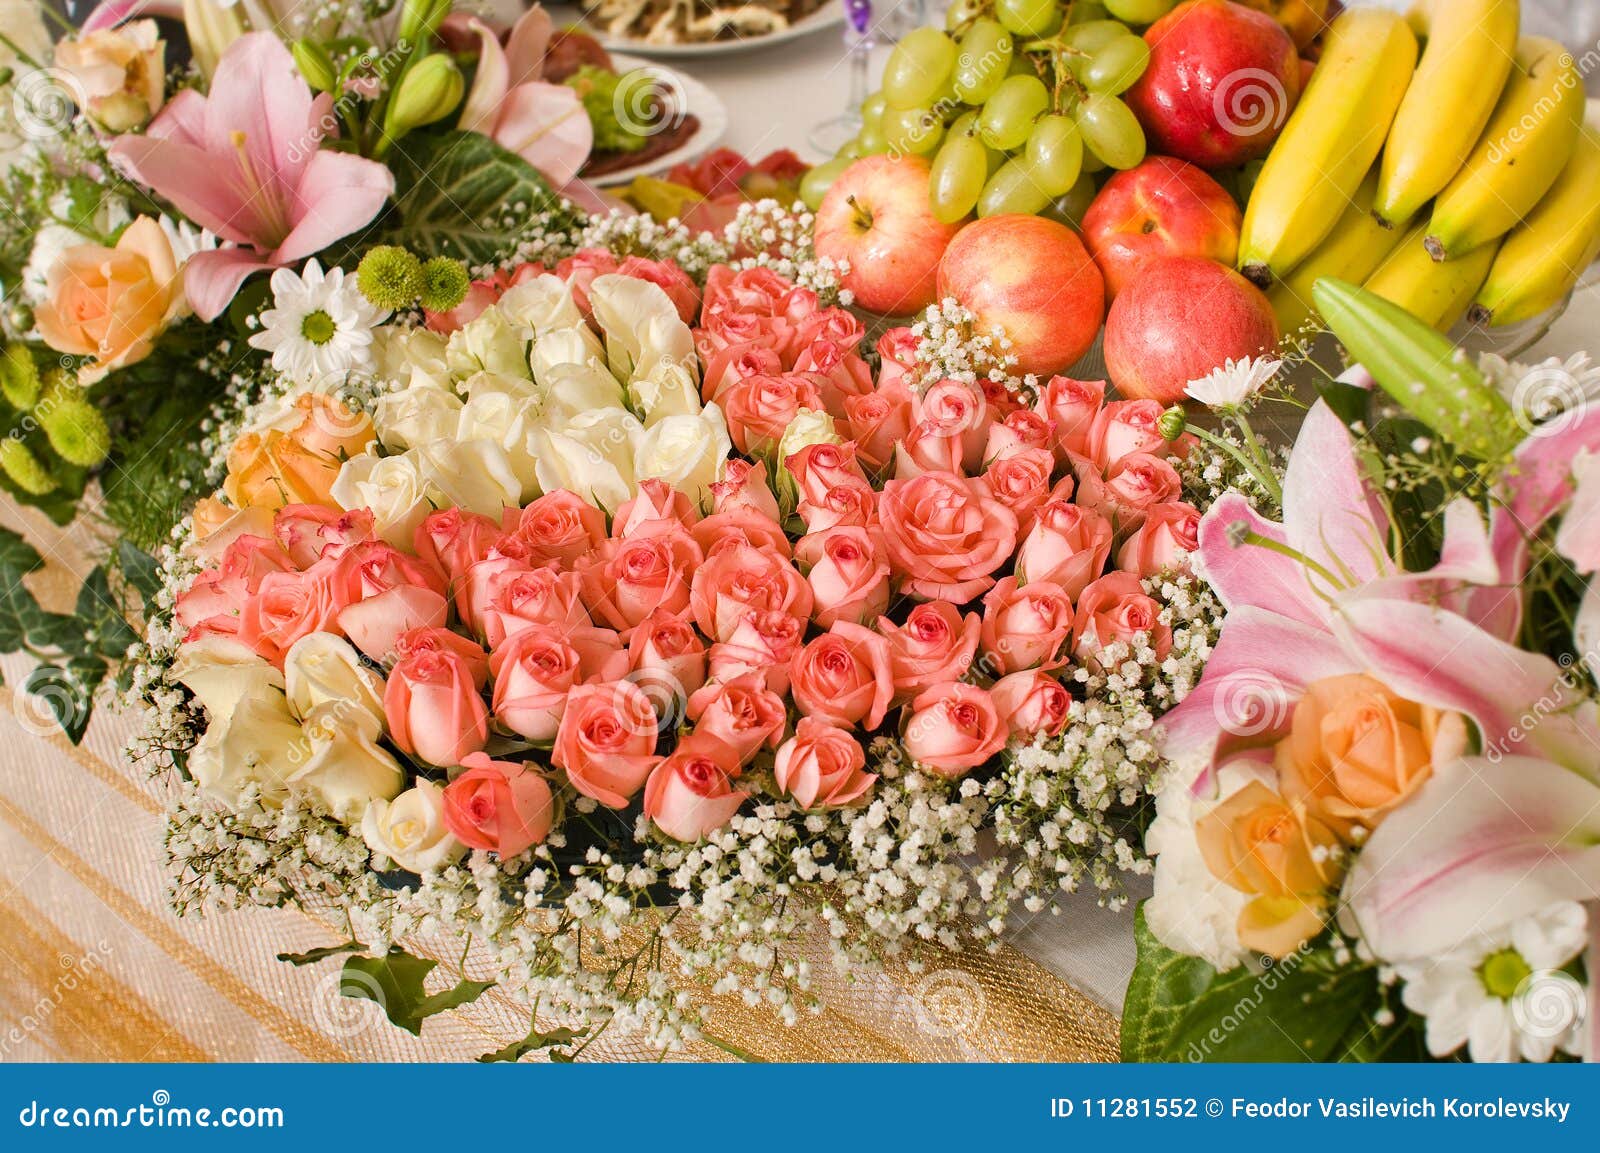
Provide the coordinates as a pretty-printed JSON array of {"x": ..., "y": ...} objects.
[
  {"x": 322, "y": 669},
  {"x": 475, "y": 475},
  {"x": 415, "y": 415},
  {"x": 488, "y": 343},
  {"x": 565, "y": 349},
  {"x": 393, "y": 487},
  {"x": 410, "y": 829},
  {"x": 505, "y": 420},
  {"x": 409, "y": 356},
  {"x": 688, "y": 452},
  {"x": 669, "y": 390},
  {"x": 591, "y": 455},
  {"x": 258, "y": 742},
  {"x": 809, "y": 426},
  {"x": 571, "y": 389},
  {"x": 346, "y": 769},
  {"x": 498, "y": 384},
  {"x": 641, "y": 324},
  {"x": 541, "y": 305},
  {"x": 221, "y": 672}
]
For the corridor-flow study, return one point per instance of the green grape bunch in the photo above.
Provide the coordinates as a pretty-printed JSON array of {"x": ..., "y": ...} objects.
[{"x": 1016, "y": 103}]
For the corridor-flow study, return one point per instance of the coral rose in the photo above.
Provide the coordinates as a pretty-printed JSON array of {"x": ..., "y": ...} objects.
[
  {"x": 1071, "y": 407},
  {"x": 843, "y": 677},
  {"x": 822, "y": 766},
  {"x": 935, "y": 644},
  {"x": 848, "y": 574},
  {"x": 945, "y": 536},
  {"x": 953, "y": 728},
  {"x": 1169, "y": 534},
  {"x": 1115, "y": 609},
  {"x": 498, "y": 806},
  {"x": 1026, "y": 627},
  {"x": 739, "y": 579},
  {"x": 1068, "y": 546},
  {"x": 1031, "y": 703},
  {"x": 689, "y": 794},
  {"x": 742, "y": 715},
  {"x": 433, "y": 708},
  {"x": 606, "y": 741},
  {"x": 386, "y": 593}
]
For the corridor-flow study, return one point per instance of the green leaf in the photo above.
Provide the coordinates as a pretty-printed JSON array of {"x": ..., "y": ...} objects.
[
  {"x": 454, "y": 190},
  {"x": 312, "y": 956},
  {"x": 533, "y": 1042},
  {"x": 139, "y": 569},
  {"x": 100, "y": 608},
  {"x": 1304, "y": 1008},
  {"x": 17, "y": 556},
  {"x": 66, "y": 695},
  {"x": 395, "y": 982}
]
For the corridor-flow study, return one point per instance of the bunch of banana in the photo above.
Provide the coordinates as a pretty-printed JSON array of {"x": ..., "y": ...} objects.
[{"x": 1486, "y": 197}]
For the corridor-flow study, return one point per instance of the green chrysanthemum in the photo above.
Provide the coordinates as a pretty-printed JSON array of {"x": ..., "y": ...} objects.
[
  {"x": 390, "y": 277},
  {"x": 444, "y": 284},
  {"x": 26, "y": 471},
  {"x": 19, "y": 377},
  {"x": 77, "y": 431}
]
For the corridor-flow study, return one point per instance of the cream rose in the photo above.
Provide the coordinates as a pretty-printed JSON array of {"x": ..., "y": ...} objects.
[
  {"x": 345, "y": 768},
  {"x": 505, "y": 420},
  {"x": 221, "y": 672},
  {"x": 591, "y": 455},
  {"x": 809, "y": 427},
  {"x": 322, "y": 669},
  {"x": 416, "y": 415},
  {"x": 542, "y": 305},
  {"x": 475, "y": 475},
  {"x": 393, "y": 487},
  {"x": 669, "y": 390},
  {"x": 688, "y": 452},
  {"x": 257, "y": 742},
  {"x": 487, "y": 344},
  {"x": 410, "y": 829},
  {"x": 641, "y": 324}
]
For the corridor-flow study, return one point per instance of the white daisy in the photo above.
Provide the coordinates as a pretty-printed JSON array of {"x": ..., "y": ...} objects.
[
  {"x": 320, "y": 326},
  {"x": 186, "y": 239},
  {"x": 1234, "y": 383},
  {"x": 1505, "y": 994}
]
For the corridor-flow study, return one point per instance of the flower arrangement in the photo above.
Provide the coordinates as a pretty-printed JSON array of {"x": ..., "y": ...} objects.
[
  {"x": 1374, "y": 833},
  {"x": 646, "y": 601}
]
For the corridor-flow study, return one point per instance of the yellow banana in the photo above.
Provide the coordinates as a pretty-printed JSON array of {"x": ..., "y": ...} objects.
[
  {"x": 1544, "y": 256},
  {"x": 1528, "y": 142},
  {"x": 1352, "y": 252},
  {"x": 1470, "y": 45},
  {"x": 1436, "y": 293},
  {"x": 1330, "y": 143}
]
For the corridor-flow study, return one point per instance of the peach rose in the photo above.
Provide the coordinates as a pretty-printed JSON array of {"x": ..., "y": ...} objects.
[
  {"x": 670, "y": 279},
  {"x": 756, "y": 291},
  {"x": 118, "y": 75},
  {"x": 926, "y": 448},
  {"x": 945, "y": 536},
  {"x": 878, "y": 422},
  {"x": 1071, "y": 407},
  {"x": 689, "y": 794},
  {"x": 1020, "y": 480},
  {"x": 1031, "y": 703},
  {"x": 897, "y": 357},
  {"x": 838, "y": 370},
  {"x": 309, "y": 532},
  {"x": 732, "y": 363},
  {"x": 434, "y": 640},
  {"x": 1169, "y": 534},
  {"x": 580, "y": 269},
  {"x": 935, "y": 644},
  {"x": 215, "y": 599},
  {"x": 822, "y": 766},
  {"x": 498, "y": 806},
  {"x": 953, "y": 728},
  {"x": 744, "y": 487},
  {"x": 1124, "y": 427},
  {"x": 111, "y": 303},
  {"x": 759, "y": 408},
  {"x": 665, "y": 647},
  {"x": 290, "y": 605},
  {"x": 535, "y": 669},
  {"x": 453, "y": 540},
  {"x": 956, "y": 411},
  {"x": 624, "y": 581},
  {"x": 848, "y": 574},
  {"x": 656, "y": 508},
  {"x": 1134, "y": 485},
  {"x": 843, "y": 677},
  {"x": 737, "y": 580},
  {"x": 763, "y": 642},
  {"x": 502, "y": 594},
  {"x": 1115, "y": 608},
  {"x": 1355, "y": 750},
  {"x": 847, "y": 505},
  {"x": 433, "y": 708},
  {"x": 1019, "y": 430},
  {"x": 837, "y": 326},
  {"x": 1067, "y": 546},
  {"x": 742, "y": 715},
  {"x": 1025, "y": 627},
  {"x": 818, "y": 469},
  {"x": 560, "y": 527},
  {"x": 1260, "y": 844},
  {"x": 298, "y": 461},
  {"x": 386, "y": 593},
  {"x": 606, "y": 741}
]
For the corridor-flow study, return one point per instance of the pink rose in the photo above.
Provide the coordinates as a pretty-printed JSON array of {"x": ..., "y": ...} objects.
[
  {"x": 289, "y": 605},
  {"x": 935, "y": 644},
  {"x": 580, "y": 269},
  {"x": 763, "y": 642},
  {"x": 498, "y": 806},
  {"x": 656, "y": 508},
  {"x": 822, "y": 766},
  {"x": 212, "y": 604},
  {"x": 837, "y": 326},
  {"x": 453, "y": 540},
  {"x": 1135, "y": 484},
  {"x": 1124, "y": 427},
  {"x": 1068, "y": 546},
  {"x": 624, "y": 581},
  {"x": 558, "y": 527},
  {"x": 897, "y": 355},
  {"x": 535, "y": 669},
  {"x": 759, "y": 408},
  {"x": 953, "y": 410},
  {"x": 838, "y": 370},
  {"x": 1020, "y": 480},
  {"x": 817, "y": 469},
  {"x": 737, "y": 580},
  {"x": 953, "y": 728},
  {"x": 732, "y": 363},
  {"x": 1020, "y": 430},
  {"x": 690, "y": 794},
  {"x": 1115, "y": 608},
  {"x": 744, "y": 486},
  {"x": 1071, "y": 406},
  {"x": 308, "y": 532},
  {"x": 945, "y": 536},
  {"x": 671, "y": 279},
  {"x": 743, "y": 526},
  {"x": 665, "y": 646},
  {"x": 1031, "y": 703},
  {"x": 436, "y": 640},
  {"x": 877, "y": 423},
  {"x": 386, "y": 593},
  {"x": 742, "y": 715},
  {"x": 843, "y": 506},
  {"x": 480, "y": 295},
  {"x": 1169, "y": 534},
  {"x": 756, "y": 291},
  {"x": 433, "y": 707},
  {"x": 926, "y": 448},
  {"x": 843, "y": 677},
  {"x": 848, "y": 573},
  {"x": 502, "y": 594},
  {"x": 1026, "y": 627},
  {"x": 606, "y": 741}
]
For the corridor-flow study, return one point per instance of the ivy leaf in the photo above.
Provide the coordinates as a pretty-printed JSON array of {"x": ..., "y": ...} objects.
[
  {"x": 1304, "y": 1008},
  {"x": 312, "y": 956},
  {"x": 139, "y": 569},
  {"x": 100, "y": 609},
  {"x": 66, "y": 694},
  {"x": 395, "y": 982},
  {"x": 535, "y": 1041}
]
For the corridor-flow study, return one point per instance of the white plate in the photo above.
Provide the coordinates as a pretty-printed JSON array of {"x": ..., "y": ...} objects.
[
  {"x": 692, "y": 96},
  {"x": 830, "y": 15}
]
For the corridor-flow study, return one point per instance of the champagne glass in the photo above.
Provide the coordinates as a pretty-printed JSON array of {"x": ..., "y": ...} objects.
[{"x": 860, "y": 37}]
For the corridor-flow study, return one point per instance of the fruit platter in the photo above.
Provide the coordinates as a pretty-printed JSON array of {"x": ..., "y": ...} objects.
[{"x": 1090, "y": 486}]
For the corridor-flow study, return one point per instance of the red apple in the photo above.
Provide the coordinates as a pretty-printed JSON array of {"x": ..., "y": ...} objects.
[
  {"x": 876, "y": 217},
  {"x": 1179, "y": 319},
  {"x": 1033, "y": 278},
  {"x": 1164, "y": 207},
  {"x": 1220, "y": 86}
]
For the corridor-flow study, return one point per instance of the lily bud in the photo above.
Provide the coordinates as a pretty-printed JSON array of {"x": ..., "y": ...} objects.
[
  {"x": 315, "y": 65},
  {"x": 211, "y": 27},
  {"x": 430, "y": 91},
  {"x": 419, "y": 20}
]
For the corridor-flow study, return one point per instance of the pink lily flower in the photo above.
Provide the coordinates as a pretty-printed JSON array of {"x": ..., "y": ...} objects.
[{"x": 244, "y": 162}]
